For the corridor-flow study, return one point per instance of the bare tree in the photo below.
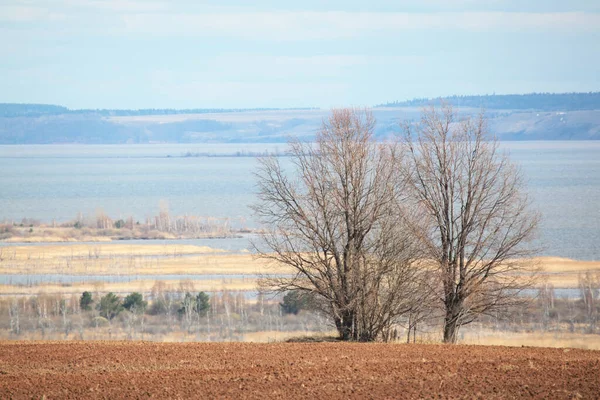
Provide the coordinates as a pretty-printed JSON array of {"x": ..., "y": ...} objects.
[
  {"x": 589, "y": 287},
  {"x": 546, "y": 298},
  {"x": 13, "y": 313},
  {"x": 476, "y": 216},
  {"x": 66, "y": 322},
  {"x": 333, "y": 219}
]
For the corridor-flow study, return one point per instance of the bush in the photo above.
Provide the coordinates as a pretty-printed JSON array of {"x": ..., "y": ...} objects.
[
  {"x": 85, "y": 302},
  {"x": 110, "y": 306},
  {"x": 199, "y": 304},
  {"x": 295, "y": 301},
  {"x": 158, "y": 307},
  {"x": 135, "y": 301},
  {"x": 202, "y": 304},
  {"x": 99, "y": 321}
]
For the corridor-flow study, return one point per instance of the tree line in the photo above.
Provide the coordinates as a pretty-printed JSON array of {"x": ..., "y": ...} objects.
[
  {"x": 165, "y": 313},
  {"x": 37, "y": 110},
  {"x": 534, "y": 101}
]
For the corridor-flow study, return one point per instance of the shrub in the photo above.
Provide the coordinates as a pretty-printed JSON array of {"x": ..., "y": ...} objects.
[
  {"x": 99, "y": 321},
  {"x": 202, "y": 303},
  {"x": 110, "y": 306},
  {"x": 85, "y": 302},
  {"x": 135, "y": 301},
  {"x": 295, "y": 301}
]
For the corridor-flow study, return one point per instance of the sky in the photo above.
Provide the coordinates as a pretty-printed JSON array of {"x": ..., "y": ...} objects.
[{"x": 309, "y": 53}]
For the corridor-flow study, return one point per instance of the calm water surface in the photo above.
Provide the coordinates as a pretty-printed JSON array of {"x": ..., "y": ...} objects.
[{"x": 58, "y": 181}]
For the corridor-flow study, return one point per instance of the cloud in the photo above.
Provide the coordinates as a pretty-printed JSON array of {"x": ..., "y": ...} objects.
[
  {"x": 335, "y": 25},
  {"x": 251, "y": 94},
  {"x": 118, "y": 6},
  {"x": 177, "y": 19},
  {"x": 275, "y": 68},
  {"x": 28, "y": 14}
]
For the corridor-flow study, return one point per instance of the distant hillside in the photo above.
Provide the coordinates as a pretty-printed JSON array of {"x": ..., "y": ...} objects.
[
  {"x": 30, "y": 110},
  {"x": 36, "y": 110},
  {"x": 532, "y": 101},
  {"x": 569, "y": 116}
]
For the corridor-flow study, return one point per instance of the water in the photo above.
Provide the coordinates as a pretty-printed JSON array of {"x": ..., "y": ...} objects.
[
  {"x": 564, "y": 183},
  {"x": 39, "y": 187},
  {"x": 559, "y": 293},
  {"x": 58, "y": 181}
]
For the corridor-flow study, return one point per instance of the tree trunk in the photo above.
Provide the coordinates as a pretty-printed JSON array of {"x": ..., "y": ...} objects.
[
  {"x": 451, "y": 323},
  {"x": 344, "y": 325}
]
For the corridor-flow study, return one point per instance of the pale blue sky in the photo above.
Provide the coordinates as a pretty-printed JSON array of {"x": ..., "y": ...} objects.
[{"x": 227, "y": 54}]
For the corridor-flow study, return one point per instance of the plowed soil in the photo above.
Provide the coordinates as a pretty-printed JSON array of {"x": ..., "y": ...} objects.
[{"x": 293, "y": 370}]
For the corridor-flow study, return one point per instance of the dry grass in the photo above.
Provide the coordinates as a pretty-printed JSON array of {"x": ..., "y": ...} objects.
[
  {"x": 564, "y": 272},
  {"x": 122, "y": 259},
  {"x": 276, "y": 336},
  {"x": 533, "y": 339},
  {"x": 50, "y": 234},
  {"x": 141, "y": 262},
  {"x": 101, "y": 250},
  {"x": 142, "y": 286},
  {"x": 484, "y": 338},
  {"x": 52, "y": 238},
  {"x": 166, "y": 259},
  {"x": 195, "y": 265},
  {"x": 119, "y": 333},
  {"x": 558, "y": 264},
  {"x": 173, "y": 259}
]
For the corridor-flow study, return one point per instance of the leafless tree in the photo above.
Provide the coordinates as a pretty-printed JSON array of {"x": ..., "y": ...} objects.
[
  {"x": 546, "y": 298},
  {"x": 13, "y": 313},
  {"x": 589, "y": 287},
  {"x": 476, "y": 214},
  {"x": 333, "y": 218},
  {"x": 426, "y": 309},
  {"x": 134, "y": 317},
  {"x": 66, "y": 322}
]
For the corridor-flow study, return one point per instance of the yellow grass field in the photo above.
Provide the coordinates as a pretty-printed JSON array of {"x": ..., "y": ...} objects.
[
  {"x": 56, "y": 238},
  {"x": 61, "y": 234},
  {"x": 53, "y": 251},
  {"x": 123, "y": 259},
  {"x": 145, "y": 260},
  {"x": 142, "y": 286},
  {"x": 150, "y": 259},
  {"x": 564, "y": 272},
  {"x": 533, "y": 339}
]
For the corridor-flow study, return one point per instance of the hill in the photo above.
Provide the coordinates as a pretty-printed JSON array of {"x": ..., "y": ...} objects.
[
  {"x": 568, "y": 116},
  {"x": 532, "y": 101}
]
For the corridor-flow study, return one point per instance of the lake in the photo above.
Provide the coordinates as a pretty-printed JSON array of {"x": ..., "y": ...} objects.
[{"x": 48, "y": 182}]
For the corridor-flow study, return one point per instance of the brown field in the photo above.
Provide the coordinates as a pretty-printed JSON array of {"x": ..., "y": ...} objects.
[{"x": 293, "y": 370}]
